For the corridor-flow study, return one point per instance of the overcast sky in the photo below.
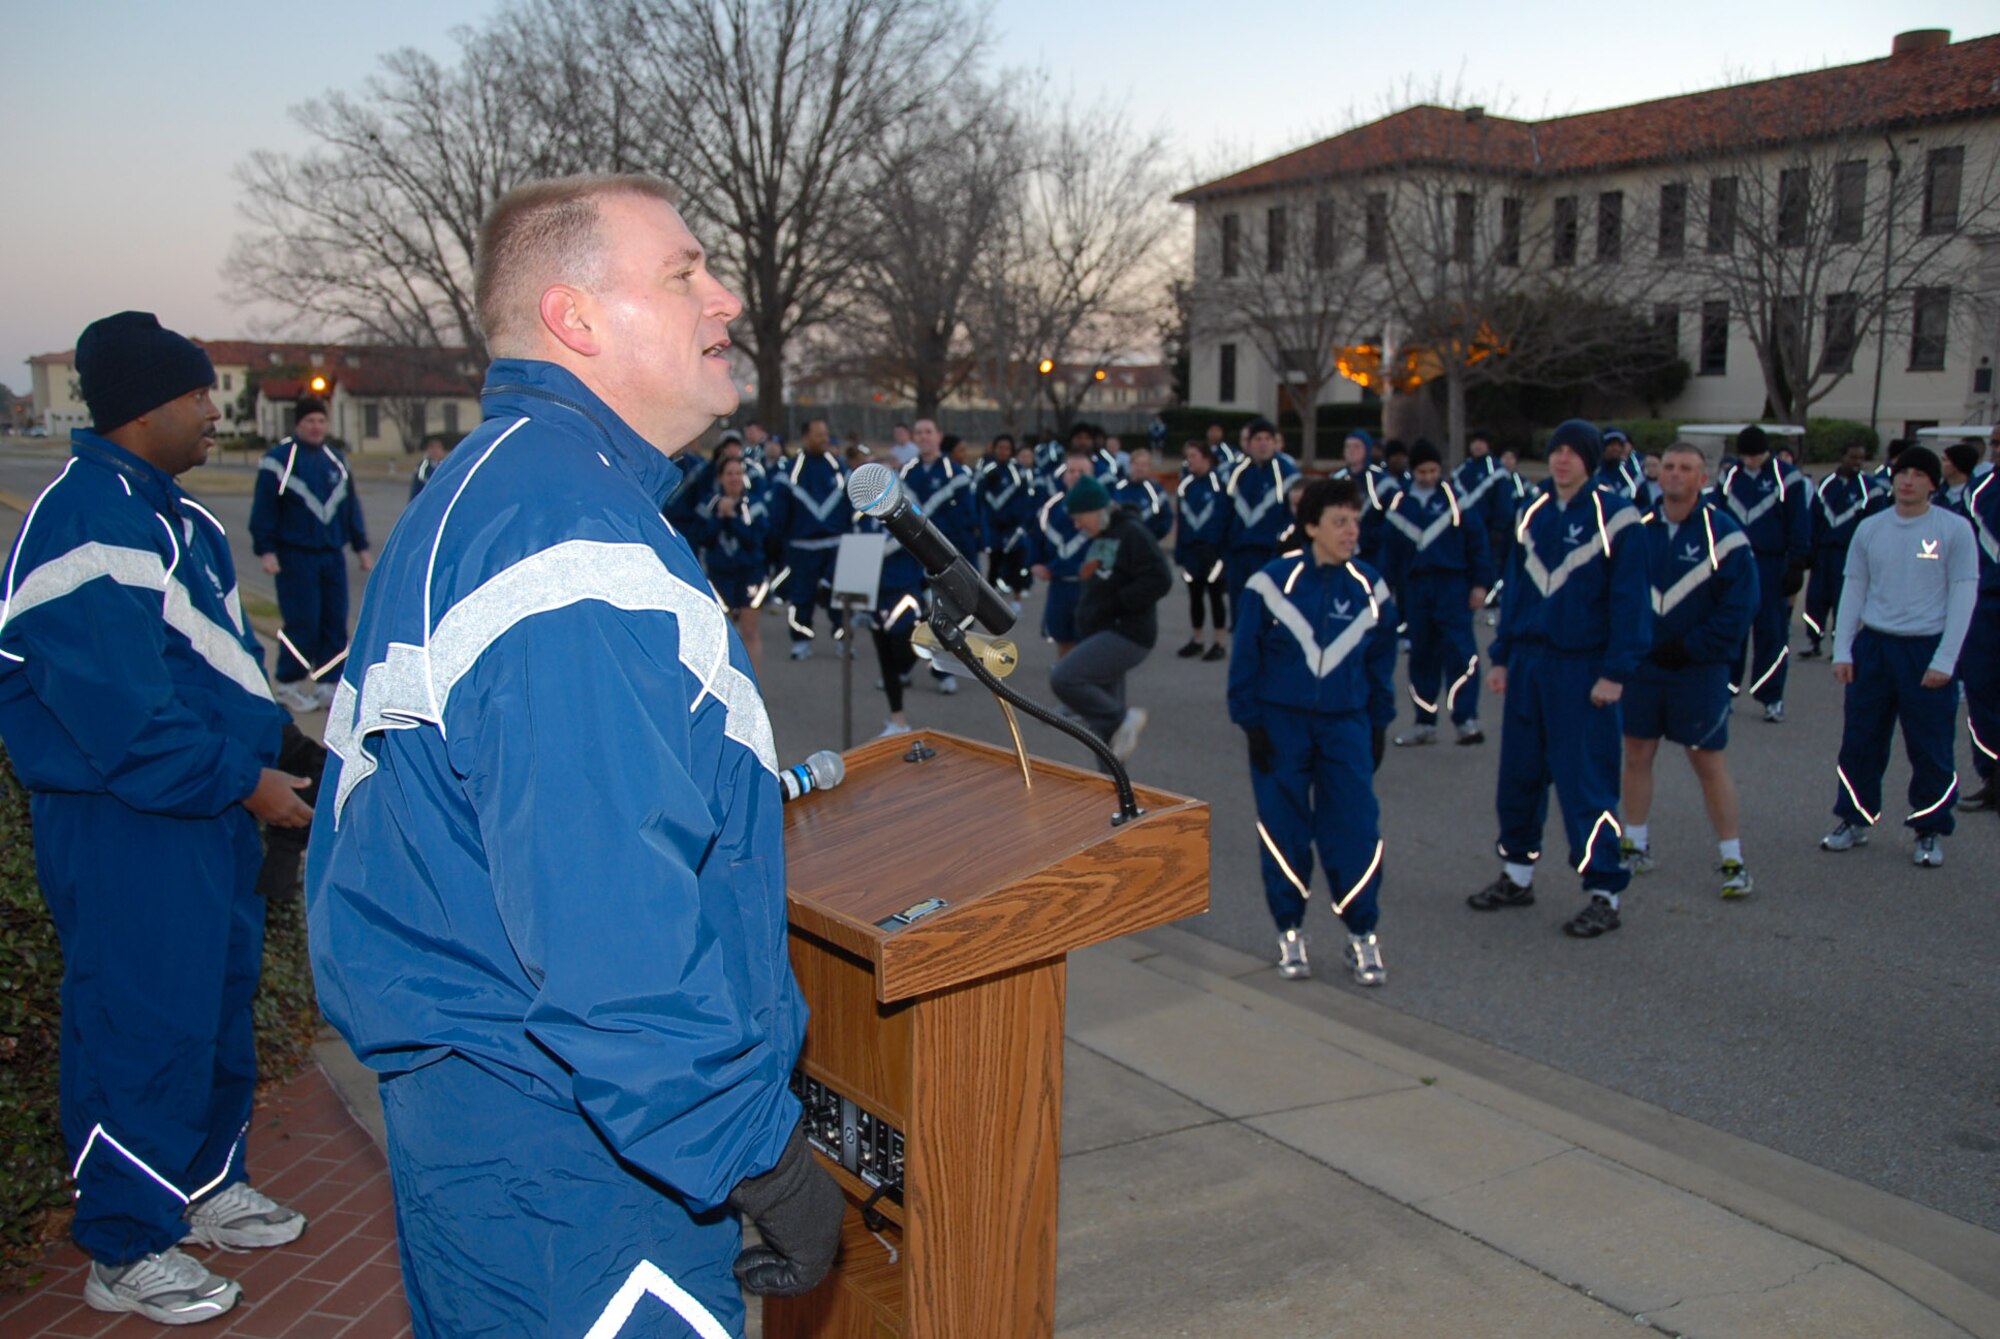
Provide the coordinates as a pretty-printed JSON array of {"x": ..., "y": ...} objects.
[{"x": 123, "y": 118}]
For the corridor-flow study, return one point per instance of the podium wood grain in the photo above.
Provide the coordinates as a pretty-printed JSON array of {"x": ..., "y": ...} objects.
[{"x": 951, "y": 1027}]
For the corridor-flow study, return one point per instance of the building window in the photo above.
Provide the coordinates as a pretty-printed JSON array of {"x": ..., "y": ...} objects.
[
  {"x": 1375, "y": 245},
  {"x": 1793, "y": 184},
  {"x": 1225, "y": 374},
  {"x": 371, "y": 420},
  {"x": 1850, "y": 200},
  {"x": 1722, "y": 215},
  {"x": 1843, "y": 312},
  {"x": 1610, "y": 225},
  {"x": 1509, "y": 252},
  {"x": 228, "y": 381},
  {"x": 1323, "y": 236},
  {"x": 1667, "y": 328},
  {"x": 451, "y": 417},
  {"x": 1464, "y": 225},
  {"x": 1928, "y": 322},
  {"x": 1941, "y": 176},
  {"x": 1564, "y": 243},
  {"x": 1714, "y": 339},
  {"x": 1274, "y": 239},
  {"x": 1229, "y": 239},
  {"x": 1673, "y": 220}
]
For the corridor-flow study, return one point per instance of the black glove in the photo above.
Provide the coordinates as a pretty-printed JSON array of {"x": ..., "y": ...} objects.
[
  {"x": 798, "y": 1209},
  {"x": 1795, "y": 577},
  {"x": 1671, "y": 654},
  {"x": 1378, "y": 744},
  {"x": 285, "y": 848},
  {"x": 1263, "y": 754}
]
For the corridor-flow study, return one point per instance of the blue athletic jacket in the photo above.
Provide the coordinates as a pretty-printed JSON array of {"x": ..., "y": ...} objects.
[
  {"x": 1982, "y": 508},
  {"x": 1256, "y": 515},
  {"x": 305, "y": 500},
  {"x": 1007, "y": 498},
  {"x": 1485, "y": 489},
  {"x": 1313, "y": 636},
  {"x": 1577, "y": 582},
  {"x": 1378, "y": 489},
  {"x": 1839, "y": 504},
  {"x": 809, "y": 501},
  {"x": 127, "y": 667},
  {"x": 732, "y": 545},
  {"x": 1204, "y": 511},
  {"x": 549, "y": 836},
  {"x": 1704, "y": 581},
  {"x": 1055, "y": 542},
  {"x": 1147, "y": 504},
  {"x": 1441, "y": 534},
  {"x": 1774, "y": 507},
  {"x": 947, "y": 494}
]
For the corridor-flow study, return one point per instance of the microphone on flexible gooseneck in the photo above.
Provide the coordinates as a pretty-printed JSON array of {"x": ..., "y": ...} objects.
[
  {"x": 875, "y": 491},
  {"x": 822, "y": 771}
]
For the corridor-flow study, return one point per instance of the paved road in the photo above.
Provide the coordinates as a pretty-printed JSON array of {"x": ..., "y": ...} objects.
[{"x": 1845, "y": 1014}]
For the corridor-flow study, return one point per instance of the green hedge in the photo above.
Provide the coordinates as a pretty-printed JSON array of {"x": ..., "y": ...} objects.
[
  {"x": 1825, "y": 438},
  {"x": 34, "y": 1170}
]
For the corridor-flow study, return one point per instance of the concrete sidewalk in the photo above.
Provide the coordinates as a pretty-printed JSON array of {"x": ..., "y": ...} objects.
[{"x": 1246, "y": 1156}]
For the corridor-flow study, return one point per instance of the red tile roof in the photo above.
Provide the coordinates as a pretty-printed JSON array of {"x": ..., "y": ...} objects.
[{"x": 1945, "y": 83}]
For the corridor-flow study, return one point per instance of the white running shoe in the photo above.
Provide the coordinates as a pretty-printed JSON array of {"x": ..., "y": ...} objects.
[
  {"x": 801, "y": 650},
  {"x": 947, "y": 684},
  {"x": 1929, "y": 852},
  {"x": 1844, "y": 837},
  {"x": 1292, "y": 964},
  {"x": 239, "y": 1217},
  {"x": 1125, "y": 739},
  {"x": 171, "y": 1288},
  {"x": 890, "y": 728},
  {"x": 296, "y": 696},
  {"x": 323, "y": 693},
  {"x": 1364, "y": 955}
]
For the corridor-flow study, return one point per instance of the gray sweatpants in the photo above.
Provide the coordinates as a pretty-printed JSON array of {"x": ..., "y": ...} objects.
[{"x": 1090, "y": 680}]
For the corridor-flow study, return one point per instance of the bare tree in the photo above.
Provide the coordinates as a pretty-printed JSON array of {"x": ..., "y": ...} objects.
[
  {"x": 778, "y": 105},
  {"x": 1823, "y": 235},
  {"x": 1298, "y": 292}
]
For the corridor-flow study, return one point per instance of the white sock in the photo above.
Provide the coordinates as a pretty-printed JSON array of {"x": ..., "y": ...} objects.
[
  {"x": 1732, "y": 849},
  {"x": 1521, "y": 875},
  {"x": 1636, "y": 834},
  {"x": 1612, "y": 898}
]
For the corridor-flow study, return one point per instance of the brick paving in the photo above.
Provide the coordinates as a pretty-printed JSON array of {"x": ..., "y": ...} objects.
[{"x": 339, "y": 1279}]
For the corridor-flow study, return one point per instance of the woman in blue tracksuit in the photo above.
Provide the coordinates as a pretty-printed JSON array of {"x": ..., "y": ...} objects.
[
  {"x": 1204, "y": 515},
  {"x": 1435, "y": 550},
  {"x": 1576, "y": 616},
  {"x": 733, "y": 524},
  {"x": 1311, "y": 687}
]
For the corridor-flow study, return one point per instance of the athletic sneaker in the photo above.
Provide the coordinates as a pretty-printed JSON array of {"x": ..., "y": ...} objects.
[
  {"x": 801, "y": 650},
  {"x": 1419, "y": 735},
  {"x": 1600, "y": 917},
  {"x": 1638, "y": 859},
  {"x": 1811, "y": 652},
  {"x": 1844, "y": 837},
  {"x": 1191, "y": 650},
  {"x": 947, "y": 684},
  {"x": 240, "y": 1217},
  {"x": 171, "y": 1288},
  {"x": 1774, "y": 712},
  {"x": 1292, "y": 964},
  {"x": 1982, "y": 798},
  {"x": 296, "y": 696},
  {"x": 1736, "y": 880},
  {"x": 323, "y": 694},
  {"x": 891, "y": 728},
  {"x": 1929, "y": 852},
  {"x": 1217, "y": 652},
  {"x": 1502, "y": 892},
  {"x": 1364, "y": 955},
  {"x": 1125, "y": 739},
  {"x": 1470, "y": 733}
]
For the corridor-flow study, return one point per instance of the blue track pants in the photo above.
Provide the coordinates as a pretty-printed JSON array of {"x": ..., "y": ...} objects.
[
  {"x": 1888, "y": 689},
  {"x": 312, "y": 597},
  {"x": 1766, "y": 653},
  {"x": 1551, "y": 735},
  {"x": 1320, "y": 791},
  {"x": 809, "y": 582},
  {"x": 1443, "y": 656}
]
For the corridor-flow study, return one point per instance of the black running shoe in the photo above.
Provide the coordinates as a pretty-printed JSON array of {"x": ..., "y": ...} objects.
[
  {"x": 1982, "y": 798},
  {"x": 1502, "y": 892},
  {"x": 1190, "y": 651},
  {"x": 1217, "y": 652},
  {"x": 1600, "y": 917}
]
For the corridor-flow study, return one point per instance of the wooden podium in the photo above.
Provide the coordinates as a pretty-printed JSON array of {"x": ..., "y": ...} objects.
[{"x": 932, "y": 1069}]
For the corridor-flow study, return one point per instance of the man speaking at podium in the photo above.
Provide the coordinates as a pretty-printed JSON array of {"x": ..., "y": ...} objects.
[{"x": 547, "y": 881}]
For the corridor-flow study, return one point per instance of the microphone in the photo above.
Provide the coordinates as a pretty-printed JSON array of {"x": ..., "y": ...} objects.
[
  {"x": 875, "y": 491},
  {"x": 822, "y": 771}
]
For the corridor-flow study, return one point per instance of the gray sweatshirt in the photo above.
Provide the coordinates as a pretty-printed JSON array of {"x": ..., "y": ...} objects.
[{"x": 1910, "y": 577}]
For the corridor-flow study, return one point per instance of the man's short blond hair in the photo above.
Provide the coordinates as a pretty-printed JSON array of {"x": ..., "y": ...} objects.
[
  {"x": 1681, "y": 446},
  {"x": 538, "y": 234}
]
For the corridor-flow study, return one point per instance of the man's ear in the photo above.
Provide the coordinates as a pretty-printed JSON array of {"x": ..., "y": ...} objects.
[{"x": 567, "y": 315}]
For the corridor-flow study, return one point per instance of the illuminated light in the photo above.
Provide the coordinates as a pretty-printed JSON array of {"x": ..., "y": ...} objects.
[
  {"x": 1099, "y": 374},
  {"x": 318, "y": 385},
  {"x": 1046, "y": 366},
  {"x": 1374, "y": 863}
]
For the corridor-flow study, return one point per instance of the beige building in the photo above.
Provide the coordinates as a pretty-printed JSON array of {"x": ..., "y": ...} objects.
[{"x": 1849, "y": 217}]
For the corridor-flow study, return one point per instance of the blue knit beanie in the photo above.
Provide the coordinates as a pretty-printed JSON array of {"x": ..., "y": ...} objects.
[
  {"x": 1582, "y": 437},
  {"x": 1086, "y": 494},
  {"x": 129, "y": 364},
  {"x": 1366, "y": 438}
]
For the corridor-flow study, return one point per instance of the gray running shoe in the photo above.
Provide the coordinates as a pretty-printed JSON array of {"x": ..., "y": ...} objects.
[
  {"x": 1844, "y": 837},
  {"x": 1418, "y": 736},
  {"x": 1930, "y": 851},
  {"x": 1638, "y": 859},
  {"x": 171, "y": 1288},
  {"x": 240, "y": 1217},
  {"x": 1125, "y": 739},
  {"x": 1774, "y": 712},
  {"x": 1364, "y": 955},
  {"x": 1736, "y": 880},
  {"x": 1292, "y": 964}
]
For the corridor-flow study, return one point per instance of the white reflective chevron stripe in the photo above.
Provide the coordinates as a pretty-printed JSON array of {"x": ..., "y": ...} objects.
[
  {"x": 412, "y": 685},
  {"x": 1853, "y": 798},
  {"x": 1547, "y": 582},
  {"x": 1065, "y": 548},
  {"x": 1692, "y": 580},
  {"x": 1374, "y": 863},
  {"x": 1425, "y": 537},
  {"x": 288, "y": 482},
  {"x": 98, "y": 1132},
  {"x": 649, "y": 1280},
  {"x": 1521, "y": 526},
  {"x": 1321, "y": 661},
  {"x": 1987, "y": 539},
  {"x": 1590, "y": 846},
  {"x": 1197, "y": 517},
  {"x": 1937, "y": 804},
  {"x": 1283, "y": 863},
  {"x": 1471, "y": 670}
]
